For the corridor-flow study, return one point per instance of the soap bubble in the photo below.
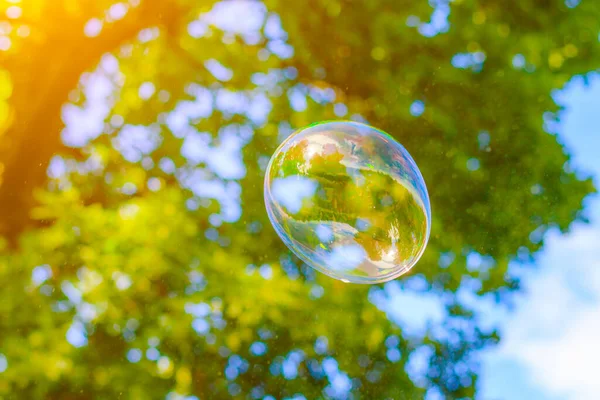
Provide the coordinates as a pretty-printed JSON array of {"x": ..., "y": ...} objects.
[{"x": 349, "y": 201}]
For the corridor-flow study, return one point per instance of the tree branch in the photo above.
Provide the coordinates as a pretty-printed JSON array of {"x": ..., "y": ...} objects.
[{"x": 43, "y": 75}]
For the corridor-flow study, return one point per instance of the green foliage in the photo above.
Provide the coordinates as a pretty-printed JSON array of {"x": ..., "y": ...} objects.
[{"x": 128, "y": 237}]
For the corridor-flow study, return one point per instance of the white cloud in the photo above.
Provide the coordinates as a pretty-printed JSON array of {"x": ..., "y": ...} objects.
[
  {"x": 555, "y": 332},
  {"x": 568, "y": 364}
]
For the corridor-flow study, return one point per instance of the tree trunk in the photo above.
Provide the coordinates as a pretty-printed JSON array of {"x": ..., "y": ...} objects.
[{"x": 42, "y": 75}]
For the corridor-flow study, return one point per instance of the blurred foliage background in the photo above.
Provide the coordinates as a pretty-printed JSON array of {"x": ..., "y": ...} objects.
[{"x": 136, "y": 258}]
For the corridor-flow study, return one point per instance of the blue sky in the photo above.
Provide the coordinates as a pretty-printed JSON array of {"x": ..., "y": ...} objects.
[{"x": 550, "y": 346}]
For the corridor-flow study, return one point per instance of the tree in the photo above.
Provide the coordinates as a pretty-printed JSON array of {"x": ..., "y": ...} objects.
[{"x": 148, "y": 268}]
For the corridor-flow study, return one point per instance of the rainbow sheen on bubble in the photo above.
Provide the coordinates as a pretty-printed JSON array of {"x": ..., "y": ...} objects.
[{"x": 349, "y": 201}]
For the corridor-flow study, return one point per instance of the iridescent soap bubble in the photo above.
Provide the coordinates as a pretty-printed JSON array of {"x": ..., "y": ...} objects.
[{"x": 349, "y": 201}]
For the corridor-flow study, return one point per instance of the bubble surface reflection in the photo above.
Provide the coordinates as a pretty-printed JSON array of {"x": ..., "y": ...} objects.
[{"x": 349, "y": 201}]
